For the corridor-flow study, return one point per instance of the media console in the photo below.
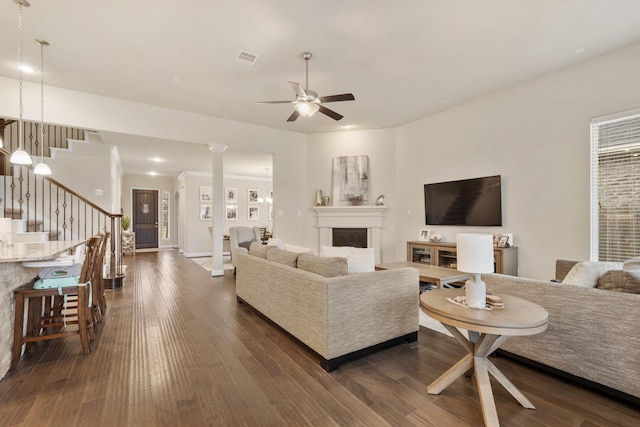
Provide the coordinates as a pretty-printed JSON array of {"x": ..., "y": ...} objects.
[{"x": 445, "y": 255}]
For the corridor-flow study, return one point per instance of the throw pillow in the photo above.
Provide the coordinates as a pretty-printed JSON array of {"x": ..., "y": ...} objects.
[
  {"x": 631, "y": 264},
  {"x": 276, "y": 242},
  {"x": 259, "y": 250},
  {"x": 359, "y": 260},
  {"x": 327, "y": 267},
  {"x": 587, "y": 273},
  {"x": 296, "y": 249},
  {"x": 283, "y": 257},
  {"x": 620, "y": 281}
]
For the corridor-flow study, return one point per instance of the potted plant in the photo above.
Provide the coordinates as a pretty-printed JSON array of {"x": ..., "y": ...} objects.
[{"x": 126, "y": 222}]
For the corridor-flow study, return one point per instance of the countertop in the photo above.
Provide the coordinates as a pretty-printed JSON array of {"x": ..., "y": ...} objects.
[{"x": 35, "y": 251}]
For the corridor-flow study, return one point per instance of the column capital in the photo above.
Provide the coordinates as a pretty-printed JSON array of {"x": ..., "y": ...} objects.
[{"x": 220, "y": 148}]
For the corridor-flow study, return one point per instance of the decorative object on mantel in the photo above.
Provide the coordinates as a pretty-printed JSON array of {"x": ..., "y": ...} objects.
[
  {"x": 380, "y": 200},
  {"x": 475, "y": 256},
  {"x": 350, "y": 180},
  {"x": 325, "y": 201}
]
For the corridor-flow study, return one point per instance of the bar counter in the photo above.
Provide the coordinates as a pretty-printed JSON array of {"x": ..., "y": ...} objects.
[{"x": 14, "y": 274}]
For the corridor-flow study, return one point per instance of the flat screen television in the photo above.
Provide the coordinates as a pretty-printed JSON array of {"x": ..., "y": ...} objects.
[{"x": 472, "y": 202}]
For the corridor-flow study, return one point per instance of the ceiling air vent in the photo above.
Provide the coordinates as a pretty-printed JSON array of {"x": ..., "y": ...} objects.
[{"x": 247, "y": 57}]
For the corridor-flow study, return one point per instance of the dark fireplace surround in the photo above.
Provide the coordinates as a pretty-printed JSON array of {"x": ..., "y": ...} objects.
[{"x": 354, "y": 237}]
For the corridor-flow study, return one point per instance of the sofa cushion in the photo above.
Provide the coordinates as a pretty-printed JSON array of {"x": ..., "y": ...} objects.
[
  {"x": 283, "y": 257},
  {"x": 620, "y": 281},
  {"x": 587, "y": 273},
  {"x": 359, "y": 260},
  {"x": 259, "y": 250},
  {"x": 324, "y": 266}
]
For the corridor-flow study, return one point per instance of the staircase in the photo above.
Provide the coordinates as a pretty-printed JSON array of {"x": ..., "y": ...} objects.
[{"x": 42, "y": 208}]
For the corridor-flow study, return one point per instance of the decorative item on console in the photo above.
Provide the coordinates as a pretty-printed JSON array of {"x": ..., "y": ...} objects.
[
  {"x": 503, "y": 240},
  {"x": 435, "y": 237}
]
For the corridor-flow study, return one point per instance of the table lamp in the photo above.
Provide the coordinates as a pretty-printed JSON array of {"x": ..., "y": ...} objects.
[{"x": 475, "y": 256}]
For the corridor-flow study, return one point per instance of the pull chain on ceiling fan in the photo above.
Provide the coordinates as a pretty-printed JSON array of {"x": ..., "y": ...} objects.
[{"x": 307, "y": 101}]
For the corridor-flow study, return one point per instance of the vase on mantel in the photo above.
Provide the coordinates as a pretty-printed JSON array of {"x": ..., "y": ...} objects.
[{"x": 318, "y": 197}]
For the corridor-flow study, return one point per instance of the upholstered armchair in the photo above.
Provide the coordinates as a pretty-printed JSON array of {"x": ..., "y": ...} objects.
[{"x": 240, "y": 238}]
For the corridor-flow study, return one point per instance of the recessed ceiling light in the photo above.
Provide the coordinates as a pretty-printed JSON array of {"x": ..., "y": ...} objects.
[
  {"x": 157, "y": 159},
  {"x": 347, "y": 126},
  {"x": 26, "y": 69},
  {"x": 153, "y": 173}
]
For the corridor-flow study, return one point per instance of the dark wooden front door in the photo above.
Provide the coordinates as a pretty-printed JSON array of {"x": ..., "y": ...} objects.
[{"x": 145, "y": 218}]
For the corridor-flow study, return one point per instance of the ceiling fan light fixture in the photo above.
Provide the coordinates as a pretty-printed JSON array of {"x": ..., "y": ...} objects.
[{"x": 307, "y": 108}]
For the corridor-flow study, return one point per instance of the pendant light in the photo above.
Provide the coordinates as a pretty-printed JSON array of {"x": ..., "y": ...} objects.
[
  {"x": 20, "y": 157},
  {"x": 42, "y": 168}
]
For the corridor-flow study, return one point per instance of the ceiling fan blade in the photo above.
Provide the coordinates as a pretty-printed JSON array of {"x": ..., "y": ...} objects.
[
  {"x": 336, "y": 98},
  {"x": 293, "y": 116},
  {"x": 275, "y": 102},
  {"x": 297, "y": 89},
  {"x": 330, "y": 113}
]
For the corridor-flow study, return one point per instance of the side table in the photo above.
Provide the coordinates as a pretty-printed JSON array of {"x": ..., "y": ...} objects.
[
  {"x": 129, "y": 242},
  {"x": 488, "y": 330}
]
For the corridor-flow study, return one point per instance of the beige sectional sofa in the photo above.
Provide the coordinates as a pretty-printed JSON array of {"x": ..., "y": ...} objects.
[
  {"x": 593, "y": 334},
  {"x": 339, "y": 317}
]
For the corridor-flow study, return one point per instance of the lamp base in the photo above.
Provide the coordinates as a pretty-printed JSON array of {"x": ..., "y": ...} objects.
[{"x": 475, "y": 292}]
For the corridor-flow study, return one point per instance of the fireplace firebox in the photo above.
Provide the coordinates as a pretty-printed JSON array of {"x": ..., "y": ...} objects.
[{"x": 354, "y": 237}]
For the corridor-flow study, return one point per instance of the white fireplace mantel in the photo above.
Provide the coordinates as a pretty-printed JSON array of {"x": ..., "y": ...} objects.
[{"x": 369, "y": 217}]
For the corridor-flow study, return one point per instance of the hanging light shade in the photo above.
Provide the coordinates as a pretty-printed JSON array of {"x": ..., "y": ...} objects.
[
  {"x": 42, "y": 168},
  {"x": 307, "y": 108},
  {"x": 20, "y": 157}
]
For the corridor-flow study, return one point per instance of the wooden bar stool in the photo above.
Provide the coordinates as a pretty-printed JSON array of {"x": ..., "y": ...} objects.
[{"x": 48, "y": 317}]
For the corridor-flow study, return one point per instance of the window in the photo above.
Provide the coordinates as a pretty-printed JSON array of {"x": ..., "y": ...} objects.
[
  {"x": 615, "y": 187},
  {"x": 165, "y": 214}
]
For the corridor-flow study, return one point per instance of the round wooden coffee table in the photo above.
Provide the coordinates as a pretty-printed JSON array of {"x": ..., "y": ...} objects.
[{"x": 488, "y": 330}]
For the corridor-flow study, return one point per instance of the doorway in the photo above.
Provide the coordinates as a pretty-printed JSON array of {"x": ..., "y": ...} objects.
[{"x": 145, "y": 218}]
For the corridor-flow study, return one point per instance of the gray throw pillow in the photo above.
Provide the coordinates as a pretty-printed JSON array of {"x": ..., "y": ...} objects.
[
  {"x": 620, "y": 281},
  {"x": 324, "y": 266},
  {"x": 283, "y": 257}
]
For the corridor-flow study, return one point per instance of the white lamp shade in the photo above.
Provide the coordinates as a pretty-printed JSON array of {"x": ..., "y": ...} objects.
[
  {"x": 42, "y": 169},
  {"x": 20, "y": 157},
  {"x": 475, "y": 253}
]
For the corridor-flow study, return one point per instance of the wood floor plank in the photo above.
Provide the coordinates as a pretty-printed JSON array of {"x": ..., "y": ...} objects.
[{"x": 176, "y": 349}]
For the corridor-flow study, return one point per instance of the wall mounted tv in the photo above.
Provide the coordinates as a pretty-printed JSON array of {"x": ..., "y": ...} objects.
[{"x": 472, "y": 202}]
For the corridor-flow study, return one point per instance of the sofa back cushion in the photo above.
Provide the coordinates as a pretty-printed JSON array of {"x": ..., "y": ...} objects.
[
  {"x": 324, "y": 266},
  {"x": 587, "y": 273},
  {"x": 620, "y": 281},
  {"x": 283, "y": 257},
  {"x": 259, "y": 250}
]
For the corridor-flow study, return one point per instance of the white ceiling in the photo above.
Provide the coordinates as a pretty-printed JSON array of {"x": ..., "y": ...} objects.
[{"x": 402, "y": 60}]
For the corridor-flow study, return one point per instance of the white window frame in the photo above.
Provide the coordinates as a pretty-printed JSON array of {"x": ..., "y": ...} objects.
[{"x": 594, "y": 175}]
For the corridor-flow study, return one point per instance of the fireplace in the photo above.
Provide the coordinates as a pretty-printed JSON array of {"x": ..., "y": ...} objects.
[
  {"x": 354, "y": 237},
  {"x": 367, "y": 218}
]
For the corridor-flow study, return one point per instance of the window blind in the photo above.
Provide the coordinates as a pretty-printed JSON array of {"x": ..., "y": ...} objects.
[{"x": 615, "y": 188}]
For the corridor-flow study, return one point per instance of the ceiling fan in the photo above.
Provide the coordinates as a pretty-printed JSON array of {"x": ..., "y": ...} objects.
[{"x": 308, "y": 102}]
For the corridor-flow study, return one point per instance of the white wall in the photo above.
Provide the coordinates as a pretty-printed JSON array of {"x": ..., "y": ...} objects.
[
  {"x": 536, "y": 136},
  {"x": 379, "y": 145}
]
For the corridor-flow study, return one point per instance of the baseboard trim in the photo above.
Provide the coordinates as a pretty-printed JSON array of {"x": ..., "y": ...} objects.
[{"x": 333, "y": 364}]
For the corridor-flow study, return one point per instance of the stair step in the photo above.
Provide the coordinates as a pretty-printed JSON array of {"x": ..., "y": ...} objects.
[{"x": 13, "y": 213}]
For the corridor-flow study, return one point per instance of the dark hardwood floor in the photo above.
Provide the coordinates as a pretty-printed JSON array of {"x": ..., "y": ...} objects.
[{"x": 176, "y": 349}]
